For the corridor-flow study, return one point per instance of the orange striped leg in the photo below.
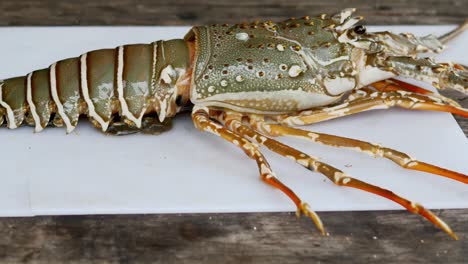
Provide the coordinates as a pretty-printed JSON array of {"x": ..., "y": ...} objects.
[
  {"x": 370, "y": 100},
  {"x": 398, "y": 157},
  {"x": 397, "y": 85},
  {"x": 202, "y": 121},
  {"x": 337, "y": 176}
]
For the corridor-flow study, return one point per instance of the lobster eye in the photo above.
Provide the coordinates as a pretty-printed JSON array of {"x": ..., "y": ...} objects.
[{"x": 360, "y": 29}]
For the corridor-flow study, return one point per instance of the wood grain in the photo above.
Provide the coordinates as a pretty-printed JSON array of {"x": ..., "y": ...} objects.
[
  {"x": 355, "y": 237},
  {"x": 182, "y": 12}
]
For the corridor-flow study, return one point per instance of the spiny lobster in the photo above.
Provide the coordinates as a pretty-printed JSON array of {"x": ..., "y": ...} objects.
[{"x": 248, "y": 83}]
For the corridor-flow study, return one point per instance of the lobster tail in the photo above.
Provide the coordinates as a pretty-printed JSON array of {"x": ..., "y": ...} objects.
[
  {"x": 129, "y": 81},
  {"x": 30, "y": 99}
]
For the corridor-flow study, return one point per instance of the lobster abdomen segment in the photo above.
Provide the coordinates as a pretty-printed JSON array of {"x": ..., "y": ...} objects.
[
  {"x": 13, "y": 100},
  {"x": 129, "y": 81},
  {"x": 98, "y": 84},
  {"x": 134, "y": 83},
  {"x": 39, "y": 98},
  {"x": 65, "y": 90}
]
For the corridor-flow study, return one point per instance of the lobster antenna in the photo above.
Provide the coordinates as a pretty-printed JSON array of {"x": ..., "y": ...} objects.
[{"x": 452, "y": 34}]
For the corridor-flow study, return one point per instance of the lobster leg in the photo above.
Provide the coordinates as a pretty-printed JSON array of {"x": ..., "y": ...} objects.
[
  {"x": 400, "y": 158},
  {"x": 202, "y": 121},
  {"x": 368, "y": 101},
  {"x": 337, "y": 176},
  {"x": 397, "y": 85}
]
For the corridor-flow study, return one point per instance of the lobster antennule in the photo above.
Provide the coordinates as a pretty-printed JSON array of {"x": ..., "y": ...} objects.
[
  {"x": 398, "y": 54},
  {"x": 440, "y": 75},
  {"x": 454, "y": 33}
]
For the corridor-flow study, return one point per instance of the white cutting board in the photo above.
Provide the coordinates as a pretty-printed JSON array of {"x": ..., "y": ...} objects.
[{"x": 185, "y": 170}]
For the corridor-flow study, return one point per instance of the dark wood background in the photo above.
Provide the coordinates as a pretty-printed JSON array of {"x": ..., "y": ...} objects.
[
  {"x": 183, "y": 12},
  {"x": 357, "y": 237}
]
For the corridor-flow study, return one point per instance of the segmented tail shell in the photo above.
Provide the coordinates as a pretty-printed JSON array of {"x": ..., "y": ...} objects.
[{"x": 129, "y": 81}]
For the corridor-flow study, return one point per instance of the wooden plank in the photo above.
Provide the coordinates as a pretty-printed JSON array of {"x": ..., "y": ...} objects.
[
  {"x": 355, "y": 237},
  {"x": 180, "y": 12},
  {"x": 463, "y": 101}
]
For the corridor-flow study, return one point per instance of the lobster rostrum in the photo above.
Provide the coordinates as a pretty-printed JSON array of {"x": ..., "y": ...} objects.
[{"x": 248, "y": 83}]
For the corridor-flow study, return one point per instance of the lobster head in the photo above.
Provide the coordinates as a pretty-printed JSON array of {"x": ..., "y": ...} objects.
[
  {"x": 297, "y": 64},
  {"x": 338, "y": 48}
]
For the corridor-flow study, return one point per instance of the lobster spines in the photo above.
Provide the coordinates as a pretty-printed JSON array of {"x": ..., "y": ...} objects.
[
  {"x": 171, "y": 77},
  {"x": 255, "y": 66}
]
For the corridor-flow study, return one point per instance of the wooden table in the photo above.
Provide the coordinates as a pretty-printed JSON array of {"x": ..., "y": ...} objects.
[{"x": 357, "y": 237}]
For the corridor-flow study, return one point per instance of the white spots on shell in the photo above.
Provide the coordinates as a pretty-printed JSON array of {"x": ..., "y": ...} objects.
[
  {"x": 239, "y": 78},
  {"x": 403, "y": 93},
  {"x": 224, "y": 83},
  {"x": 211, "y": 89},
  {"x": 265, "y": 170},
  {"x": 312, "y": 136},
  {"x": 280, "y": 47},
  {"x": 346, "y": 180},
  {"x": 242, "y": 36},
  {"x": 337, "y": 176},
  {"x": 303, "y": 162},
  {"x": 294, "y": 71},
  {"x": 250, "y": 148},
  {"x": 212, "y": 130},
  {"x": 167, "y": 74},
  {"x": 312, "y": 81}
]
